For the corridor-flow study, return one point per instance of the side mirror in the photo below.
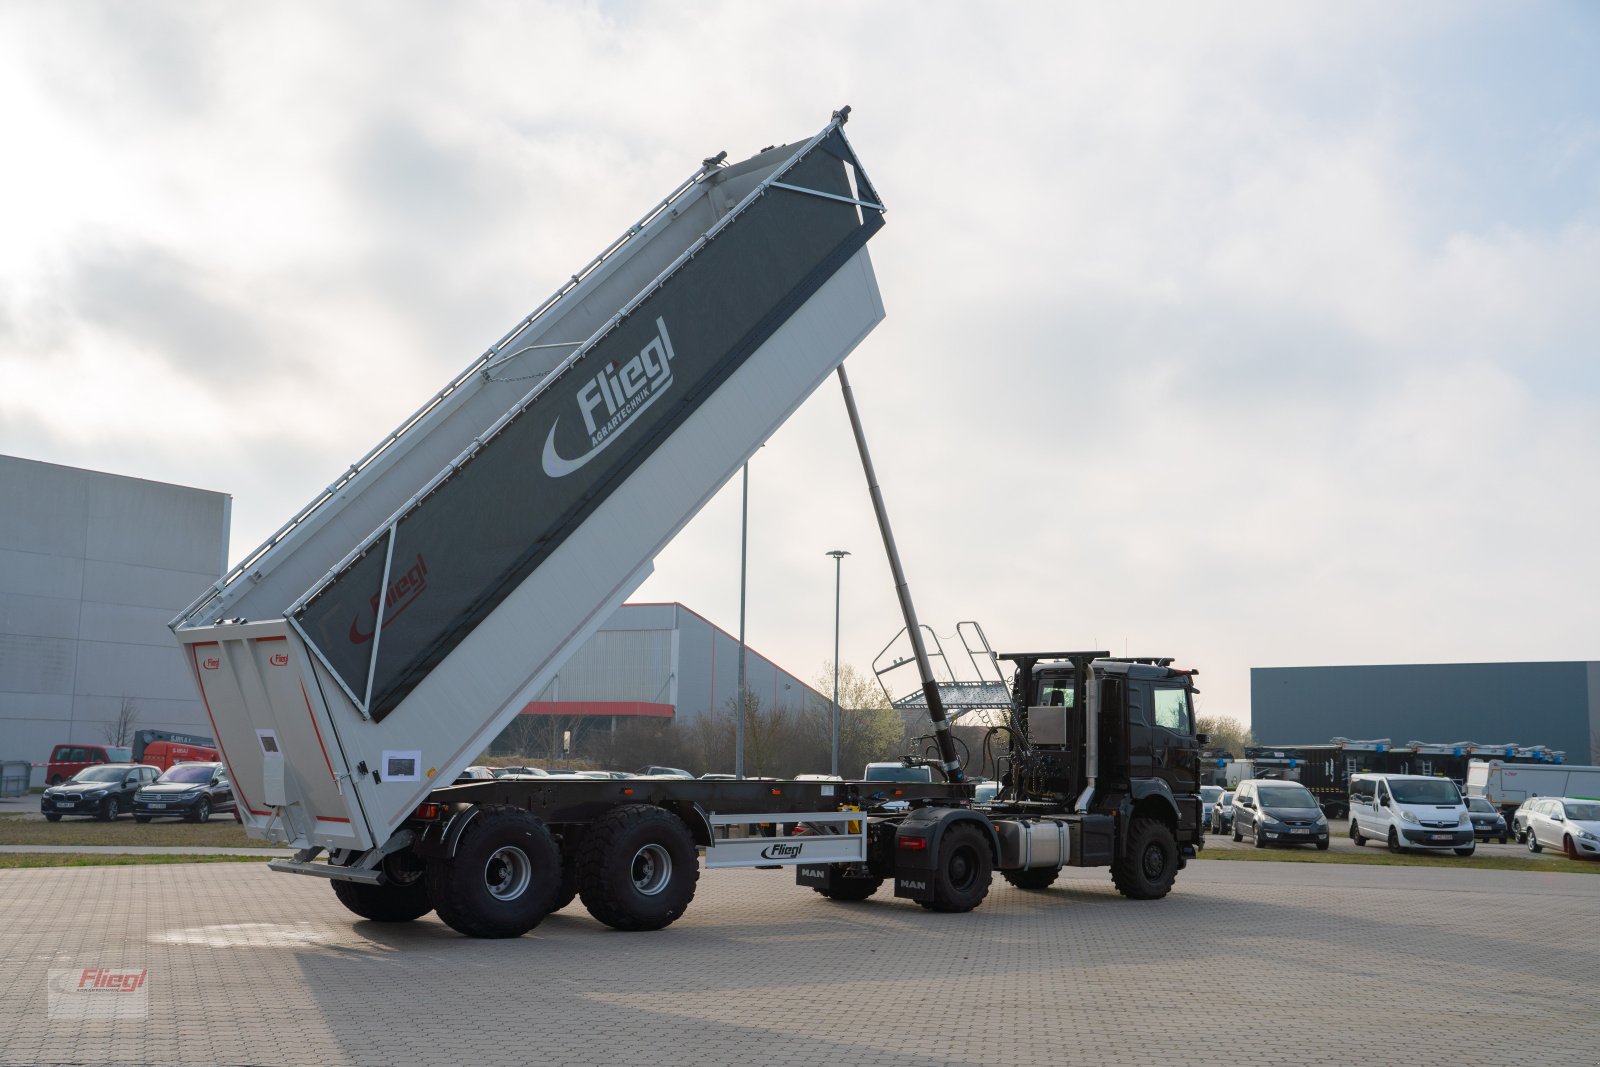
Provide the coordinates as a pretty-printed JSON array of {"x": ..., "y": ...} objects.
[{"x": 1203, "y": 739}]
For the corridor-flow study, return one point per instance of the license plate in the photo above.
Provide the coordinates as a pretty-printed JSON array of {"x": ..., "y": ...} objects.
[
  {"x": 1299, "y": 831},
  {"x": 1441, "y": 837},
  {"x": 66, "y": 803},
  {"x": 158, "y": 805}
]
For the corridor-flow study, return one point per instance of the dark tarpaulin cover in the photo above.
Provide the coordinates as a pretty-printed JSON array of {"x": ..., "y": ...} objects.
[{"x": 479, "y": 534}]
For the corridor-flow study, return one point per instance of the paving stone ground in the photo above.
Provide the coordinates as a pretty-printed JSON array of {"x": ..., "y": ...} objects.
[{"x": 1244, "y": 964}]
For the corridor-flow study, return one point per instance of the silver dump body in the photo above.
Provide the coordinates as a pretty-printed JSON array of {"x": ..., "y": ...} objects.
[{"x": 379, "y": 640}]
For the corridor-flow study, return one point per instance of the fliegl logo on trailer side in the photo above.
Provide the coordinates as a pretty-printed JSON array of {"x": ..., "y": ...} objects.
[
  {"x": 624, "y": 392},
  {"x": 403, "y": 592}
]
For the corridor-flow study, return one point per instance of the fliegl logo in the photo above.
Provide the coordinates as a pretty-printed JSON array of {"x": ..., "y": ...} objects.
[
  {"x": 781, "y": 851},
  {"x": 403, "y": 592},
  {"x": 624, "y": 392}
]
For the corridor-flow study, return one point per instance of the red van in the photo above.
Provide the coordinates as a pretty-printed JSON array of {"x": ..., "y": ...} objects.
[{"x": 67, "y": 760}]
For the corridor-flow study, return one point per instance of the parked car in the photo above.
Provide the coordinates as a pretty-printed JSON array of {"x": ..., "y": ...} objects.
[
  {"x": 1410, "y": 811},
  {"x": 1567, "y": 823},
  {"x": 1274, "y": 812},
  {"x": 67, "y": 760},
  {"x": 985, "y": 792},
  {"x": 1519, "y": 819},
  {"x": 896, "y": 772},
  {"x": 1487, "y": 822},
  {"x": 1208, "y": 797},
  {"x": 657, "y": 772},
  {"x": 1222, "y": 814},
  {"x": 191, "y": 791},
  {"x": 475, "y": 773},
  {"x": 519, "y": 772},
  {"x": 102, "y": 791}
]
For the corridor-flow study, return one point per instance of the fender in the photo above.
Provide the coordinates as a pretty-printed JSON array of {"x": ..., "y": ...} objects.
[
  {"x": 1157, "y": 791},
  {"x": 931, "y": 824},
  {"x": 439, "y": 840}
]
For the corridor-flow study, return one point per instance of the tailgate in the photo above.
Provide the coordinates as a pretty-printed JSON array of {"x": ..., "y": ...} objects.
[{"x": 283, "y": 757}]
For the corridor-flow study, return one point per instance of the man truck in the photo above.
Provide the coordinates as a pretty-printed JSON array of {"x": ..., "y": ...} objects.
[{"x": 354, "y": 664}]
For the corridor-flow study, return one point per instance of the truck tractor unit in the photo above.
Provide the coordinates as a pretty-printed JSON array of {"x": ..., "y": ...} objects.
[{"x": 357, "y": 662}]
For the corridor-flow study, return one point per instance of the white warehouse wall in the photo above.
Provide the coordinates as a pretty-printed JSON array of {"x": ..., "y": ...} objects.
[{"x": 92, "y": 567}]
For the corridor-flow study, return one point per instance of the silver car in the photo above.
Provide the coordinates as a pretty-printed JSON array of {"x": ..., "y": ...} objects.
[{"x": 1567, "y": 823}]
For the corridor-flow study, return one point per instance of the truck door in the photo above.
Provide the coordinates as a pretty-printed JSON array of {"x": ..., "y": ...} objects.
[{"x": 1175, "y": 755}]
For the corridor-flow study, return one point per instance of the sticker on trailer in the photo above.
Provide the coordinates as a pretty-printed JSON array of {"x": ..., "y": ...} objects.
[
  {"x": 402, "y": 766},
  {"x": 269, "y": 742}
]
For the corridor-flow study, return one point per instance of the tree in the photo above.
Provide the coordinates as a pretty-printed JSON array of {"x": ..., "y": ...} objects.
[
  {"x": 869, "y": 728},
  {"x": 119, "y": 731},
  {"x": 1226, "y": 733}
]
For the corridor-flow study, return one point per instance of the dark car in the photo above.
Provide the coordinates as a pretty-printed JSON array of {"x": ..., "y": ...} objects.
[
  {"x": 1487, "y": 822},
  {"x": 1275, "y": 812},
  {"x": 103, "y": 791},
  {"x": 186, "y": 791},
  {"x": 1222, "y": 814}
]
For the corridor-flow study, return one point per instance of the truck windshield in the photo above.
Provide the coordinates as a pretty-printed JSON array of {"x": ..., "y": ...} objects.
[
  {"x": 1287, "y": 796},
  {"x": 1424, "y": 791}
]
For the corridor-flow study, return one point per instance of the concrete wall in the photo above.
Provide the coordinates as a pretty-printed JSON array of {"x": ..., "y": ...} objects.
[
  {"x": 92, "y": 566},
  {"x": 1554, "y": 704}
]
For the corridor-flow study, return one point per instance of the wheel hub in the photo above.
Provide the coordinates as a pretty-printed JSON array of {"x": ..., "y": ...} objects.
[
  {"x": 508, "y": 873},
  {"x": 1154, "y": 861},
  {"x": 651, "y": 870}
]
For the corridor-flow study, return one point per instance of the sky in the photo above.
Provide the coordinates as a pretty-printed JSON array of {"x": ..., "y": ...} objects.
[{"x": 1247, "y": 334}]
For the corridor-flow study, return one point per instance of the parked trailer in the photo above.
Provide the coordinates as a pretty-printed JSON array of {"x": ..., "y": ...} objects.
[
  {"x": 1506, "y": 785},
  {"x": 355, "y": 663}
]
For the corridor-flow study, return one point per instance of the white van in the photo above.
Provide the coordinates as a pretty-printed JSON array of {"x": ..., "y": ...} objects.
[{"x": 1409, "y": 811}]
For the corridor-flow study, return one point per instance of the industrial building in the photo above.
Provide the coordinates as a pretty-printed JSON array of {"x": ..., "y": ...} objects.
[
  {"x": 1553, "y": 704},
  {"x": 666, "y": 661},
  {"x": 92, "y": 568}
]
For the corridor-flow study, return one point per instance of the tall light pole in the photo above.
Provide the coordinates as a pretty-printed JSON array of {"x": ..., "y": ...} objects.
[
  {"x": 744, "y": 537},
  {"x": 838, "y": 555}
]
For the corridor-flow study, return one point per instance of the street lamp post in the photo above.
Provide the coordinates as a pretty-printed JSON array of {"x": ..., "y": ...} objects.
[
  {"x": 738, "y": 716},
  {"x": 838, "y": 555}
]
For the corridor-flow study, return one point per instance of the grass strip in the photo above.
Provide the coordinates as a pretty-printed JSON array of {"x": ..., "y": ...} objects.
[
  {"x": 82, "y": 859},
  {"x": 222, "y": 832},
  {"x": 1388, "y": 859}
]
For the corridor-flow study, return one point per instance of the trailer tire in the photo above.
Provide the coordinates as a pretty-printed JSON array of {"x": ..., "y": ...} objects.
[
  {"x": 1149, "y": 866},
  {"x": 850, "y": 889},
  {"x": 637, "y": 868},
  {"x": 503, "y": 878},
  {"x": 400, "y": 899},
  {"x": 1032, "y": 877},
  {"x": 569, "y": 885},
  {"x": 961, "y": 880}
]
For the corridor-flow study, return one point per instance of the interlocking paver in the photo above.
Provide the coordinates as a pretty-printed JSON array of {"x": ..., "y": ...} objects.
[{"x": 1374, "y": 964}]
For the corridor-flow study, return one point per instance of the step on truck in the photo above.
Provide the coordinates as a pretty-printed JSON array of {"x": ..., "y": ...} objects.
[{"x": 357, "y": 661}]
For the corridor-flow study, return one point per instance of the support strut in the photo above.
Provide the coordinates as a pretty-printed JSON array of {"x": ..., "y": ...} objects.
[{"x": 930, "y": 690}]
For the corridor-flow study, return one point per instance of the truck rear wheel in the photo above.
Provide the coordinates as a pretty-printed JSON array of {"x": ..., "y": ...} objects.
[
  {"x": 961, "y": 880},
  {"x": 400, "y": 899},
  {"x": 1149, "y": 865},
  {"x": 503, "y": 878},
  {"x": 637, "y": 868},
  {"x": 1032, "y": 877}
]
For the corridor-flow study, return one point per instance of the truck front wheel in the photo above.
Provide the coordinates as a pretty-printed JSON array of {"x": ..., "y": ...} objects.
[
  {"x": 637, "y": 868},
  {"x": 503, "y": 879},
  {"x": 1149, "y": 865},
  {"x": 965, "y": 868},
  {"x": 1032, "y": 877},
  {"x": 400, "y": 899}
]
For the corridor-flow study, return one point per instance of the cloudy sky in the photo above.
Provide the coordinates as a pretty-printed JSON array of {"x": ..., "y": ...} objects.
[{"x": 1254, "y": 335}]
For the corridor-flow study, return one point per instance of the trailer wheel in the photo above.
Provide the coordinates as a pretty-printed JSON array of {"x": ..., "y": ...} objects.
[
  {"x": 637, "y": 868},
  {"x": 402, "y": 898},
  {"x": 1149, "y": 866},
  {"x": 1032, "y": 877},
  {"x": 503, "y": 878},
  {"x": 961, "y": 880},
  {"x": 850, "y": 888}
]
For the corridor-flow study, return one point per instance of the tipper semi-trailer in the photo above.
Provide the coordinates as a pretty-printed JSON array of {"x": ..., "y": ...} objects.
[{"x": 354, "y": 664}]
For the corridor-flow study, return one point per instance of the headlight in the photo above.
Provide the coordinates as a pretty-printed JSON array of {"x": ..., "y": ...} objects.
[
  {"x": 1587, "y": 836},
  {"x": 1408, "y": 816},
  {"x": 1465, "y": 820},
  {"x": 1322, "y": 820}
]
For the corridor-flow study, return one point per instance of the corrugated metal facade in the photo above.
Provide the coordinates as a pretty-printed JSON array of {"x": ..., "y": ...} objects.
[
  {"x": 668, "y": 654},
  {"x": 92, "y": 567},
  {"x": 1553, "y": 704}
]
